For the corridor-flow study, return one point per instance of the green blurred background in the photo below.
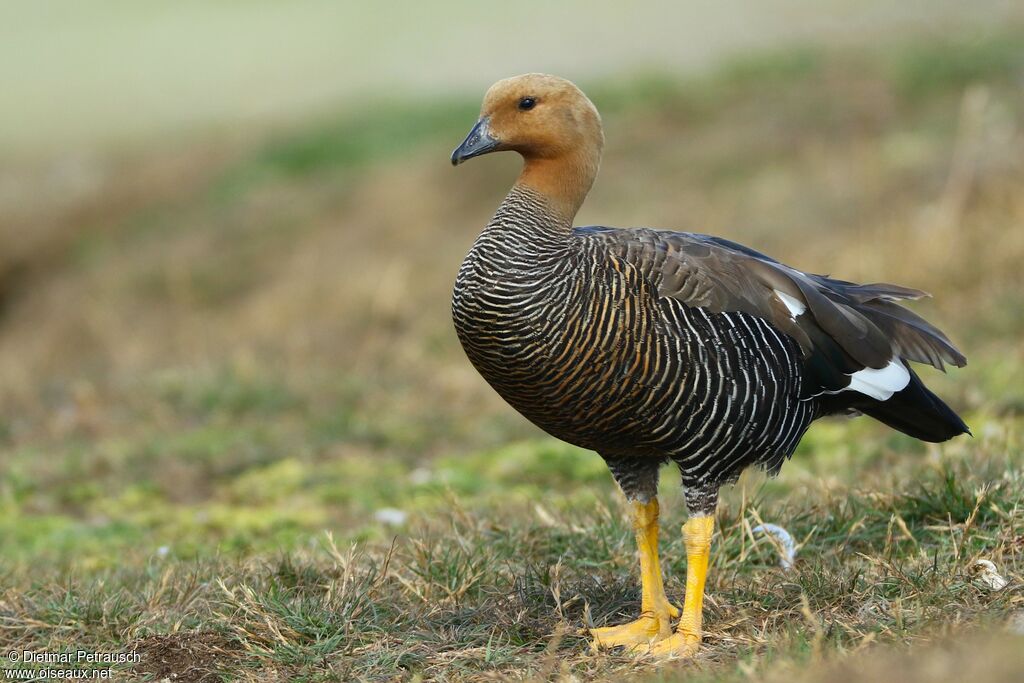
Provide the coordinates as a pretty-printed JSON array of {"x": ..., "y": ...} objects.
[{"x": 229, "y": 231}]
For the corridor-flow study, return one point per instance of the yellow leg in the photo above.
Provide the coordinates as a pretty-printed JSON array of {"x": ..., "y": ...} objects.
[
  {"x": 686, "y": 640},
  {"x": 656, "y": 611}
]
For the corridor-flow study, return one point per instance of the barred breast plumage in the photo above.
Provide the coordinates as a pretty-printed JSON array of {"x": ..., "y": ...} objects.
[{"x": 648, "y": 345}]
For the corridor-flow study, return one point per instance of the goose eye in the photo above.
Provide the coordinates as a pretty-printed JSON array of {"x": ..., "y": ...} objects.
[{"x": 527, "y": 103}]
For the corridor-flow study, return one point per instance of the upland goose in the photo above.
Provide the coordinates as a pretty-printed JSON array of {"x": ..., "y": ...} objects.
[{"x": 647, "y": 345}]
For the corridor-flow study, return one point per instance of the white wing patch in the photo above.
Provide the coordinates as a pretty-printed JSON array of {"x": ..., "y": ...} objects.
[
  {"x": 795, "y": 306},
  {"x": 880, "y": 384}
]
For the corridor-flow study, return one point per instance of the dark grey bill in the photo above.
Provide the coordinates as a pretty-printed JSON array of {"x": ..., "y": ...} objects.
[{"x": 479, "y": 141}]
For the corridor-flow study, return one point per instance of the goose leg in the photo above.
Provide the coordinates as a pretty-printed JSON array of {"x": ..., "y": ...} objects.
[
  {"x": 655, "y": 609},
  {"x": 686, "y": 640}
]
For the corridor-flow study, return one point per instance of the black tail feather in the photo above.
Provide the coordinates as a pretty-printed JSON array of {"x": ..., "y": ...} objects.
[{"x": 917, "y": 412}]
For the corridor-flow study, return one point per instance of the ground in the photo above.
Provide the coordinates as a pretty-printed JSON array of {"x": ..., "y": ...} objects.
[{"x": 238, "y": 437}]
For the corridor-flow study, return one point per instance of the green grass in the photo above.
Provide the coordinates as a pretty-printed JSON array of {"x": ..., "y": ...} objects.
[
  {"x": 505, "y": 589},
  {"x": 217, "y": 395}
]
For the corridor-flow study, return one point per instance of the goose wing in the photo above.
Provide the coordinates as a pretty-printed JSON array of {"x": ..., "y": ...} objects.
[{"x": 842, "y": 327}]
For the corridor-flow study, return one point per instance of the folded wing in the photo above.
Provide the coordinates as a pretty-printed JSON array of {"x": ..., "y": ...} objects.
[{"x": 854, "y": 337}]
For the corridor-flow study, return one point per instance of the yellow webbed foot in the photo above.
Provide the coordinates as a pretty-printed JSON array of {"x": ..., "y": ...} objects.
[
  {"x": 676, "y": 645},
  {"x": 650, "y": 627},
  {"x": 642, "y": 632}
]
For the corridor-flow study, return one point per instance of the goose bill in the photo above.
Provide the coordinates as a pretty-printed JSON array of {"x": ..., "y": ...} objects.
[{"x": 479, "y": 141}]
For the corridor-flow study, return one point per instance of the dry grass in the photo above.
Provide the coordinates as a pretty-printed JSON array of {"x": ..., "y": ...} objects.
[{"x": 216, "y": 354}]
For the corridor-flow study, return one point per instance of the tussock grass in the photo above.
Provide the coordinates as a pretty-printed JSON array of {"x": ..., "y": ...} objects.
[{"x": 224, "y": 353}]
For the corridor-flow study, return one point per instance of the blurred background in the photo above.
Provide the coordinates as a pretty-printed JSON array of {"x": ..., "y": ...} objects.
[{"x": 229, "y": 232}]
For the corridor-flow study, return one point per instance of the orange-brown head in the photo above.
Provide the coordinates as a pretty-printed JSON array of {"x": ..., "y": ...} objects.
[{"x": 552, "y": 124}]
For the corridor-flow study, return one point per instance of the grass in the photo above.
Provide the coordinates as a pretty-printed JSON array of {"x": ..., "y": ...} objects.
[
  {"x": 458, "y": 594},
  {"x": 238, "y": 437}
]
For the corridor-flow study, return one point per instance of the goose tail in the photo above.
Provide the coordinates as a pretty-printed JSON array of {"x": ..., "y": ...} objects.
[{"x": 917, "y": 412}]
